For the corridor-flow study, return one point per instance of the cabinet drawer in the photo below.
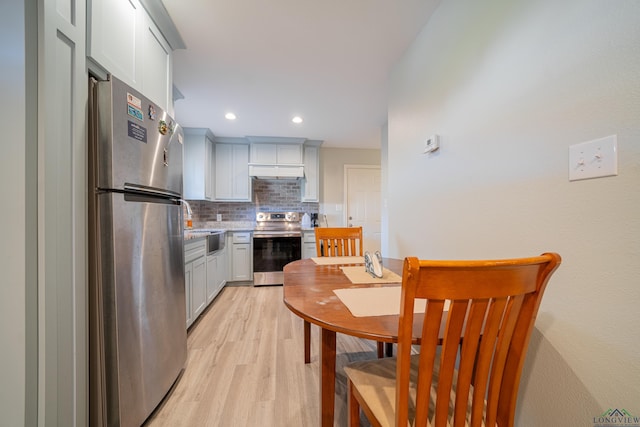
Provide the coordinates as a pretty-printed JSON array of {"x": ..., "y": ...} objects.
[
  {"x": 308, "y": 237},
  {"x": 194, "y": 249},
  {"x": 244, "y": 237}
]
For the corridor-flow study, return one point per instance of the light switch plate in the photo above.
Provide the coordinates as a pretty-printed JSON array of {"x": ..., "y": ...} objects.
[
  {"x": 432, "y": 144},
  {"x": 594, "y": 159}
]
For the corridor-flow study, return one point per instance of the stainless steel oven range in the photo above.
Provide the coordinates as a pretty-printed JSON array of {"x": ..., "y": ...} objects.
[{"x": 276, "y": 242}]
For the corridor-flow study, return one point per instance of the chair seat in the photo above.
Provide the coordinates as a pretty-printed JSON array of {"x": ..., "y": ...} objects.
[{"x": 375, "y": 380}]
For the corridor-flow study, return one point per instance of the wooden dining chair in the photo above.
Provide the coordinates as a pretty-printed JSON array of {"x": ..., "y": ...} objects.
[
  {"x": 336, "y": 241},
  {"x": 467, "y": 373},
  {"x": 339, "y": 241}
]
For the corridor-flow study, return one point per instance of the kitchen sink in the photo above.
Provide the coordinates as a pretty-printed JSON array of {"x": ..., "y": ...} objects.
[{"x": 215, "y": 239}]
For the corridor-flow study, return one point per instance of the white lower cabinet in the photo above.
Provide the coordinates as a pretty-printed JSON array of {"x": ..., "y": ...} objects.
[
  {"x": 188, "y": 280},
  {"x": 308, "y": 244},
  {"x": 212, "y": 285},
  {"x": 204, "y": 276},
  {"x": 195, "y": 278},
  {"x": 216, "y": 274},
  {"x": 222, "y": 268},
  {"x": 199, "y": 287},
  {"x": 241, "y": 256}
]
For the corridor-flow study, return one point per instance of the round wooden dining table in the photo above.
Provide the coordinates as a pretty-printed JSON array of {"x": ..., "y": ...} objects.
[{"x": 309, "y": 293}]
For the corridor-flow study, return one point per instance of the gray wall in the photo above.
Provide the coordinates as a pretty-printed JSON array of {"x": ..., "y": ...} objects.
[
  {"x": 510, "y": 85},
  {"x": 12, "y": 216},
  {"x": 332, "y": 162}
]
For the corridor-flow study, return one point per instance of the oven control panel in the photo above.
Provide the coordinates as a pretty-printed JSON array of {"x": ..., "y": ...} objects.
[{"x": 278, "y": 216}]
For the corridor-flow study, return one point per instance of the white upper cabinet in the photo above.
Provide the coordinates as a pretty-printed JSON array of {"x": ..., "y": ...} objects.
[
  {"x": 123, "y": 40},
  {"x": 276, "y": 154},
  {"x": 311, "y": 182},
  {"x": 273, "y": 157},
  {"x": 264, "y": 154},
  {"x": 115, "y": 38},
  {"x": 157, "y": 67},
  {"x": 232, "y": 182},
  {"x": 198, "y": 164},
  {"x": 289, "y": 154}
]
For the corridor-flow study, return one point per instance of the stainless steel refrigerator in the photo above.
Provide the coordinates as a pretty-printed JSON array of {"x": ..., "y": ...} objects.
[{"x": 137, "y": 337}]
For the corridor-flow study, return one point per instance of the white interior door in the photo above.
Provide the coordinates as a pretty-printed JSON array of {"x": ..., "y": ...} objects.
[{"x": 363, "y": 199}]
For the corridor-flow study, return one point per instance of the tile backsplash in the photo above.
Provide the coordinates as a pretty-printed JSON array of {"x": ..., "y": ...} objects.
[{"x": 268, "y": 196}]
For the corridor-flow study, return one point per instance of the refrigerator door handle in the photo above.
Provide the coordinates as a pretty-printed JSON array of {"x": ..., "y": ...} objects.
[{"x": 149, "y": 191}]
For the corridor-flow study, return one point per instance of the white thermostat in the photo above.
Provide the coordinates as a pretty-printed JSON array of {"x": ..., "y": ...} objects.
[{"x": 432, "y": 144}]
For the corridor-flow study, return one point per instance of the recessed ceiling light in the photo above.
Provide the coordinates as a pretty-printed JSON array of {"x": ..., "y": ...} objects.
[
  {"x": 230, "y": 116},
  {"x": 297, "y": 119}
]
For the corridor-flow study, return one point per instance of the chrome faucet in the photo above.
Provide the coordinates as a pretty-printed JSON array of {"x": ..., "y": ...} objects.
[{"x": 189, "y": 213}]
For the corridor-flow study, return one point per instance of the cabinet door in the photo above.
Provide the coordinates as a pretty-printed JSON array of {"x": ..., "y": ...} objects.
[
  {"x": 194, "y": 184},
  {"x": 224, "y": 171},
  {"x": 289, "y": 154},
  {"x": 156, "y": 67},
  {"x": 241, "y": 262},
  {"x": 221, "y": 271},
  {"x": 311, "y": 182},
  {"x": 199, "y": 286},
  {"x": 198, "y": 165},
  {"x": 232, "y": 180},
  {"x": 188, "y": 281},
  {"x": 212, "y": 278},
  {"x": 209, "y": 177},
  {"x": 308, "y": 250},
  {"x": 308, "y": 244},
  {"x": 241, "y": 179},
  {"x": 115, "y": 38},
  {"x": 264, "y": 154}
]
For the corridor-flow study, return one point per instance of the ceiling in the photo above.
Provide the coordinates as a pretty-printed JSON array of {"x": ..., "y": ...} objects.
[{"x": 269, "y": 60}]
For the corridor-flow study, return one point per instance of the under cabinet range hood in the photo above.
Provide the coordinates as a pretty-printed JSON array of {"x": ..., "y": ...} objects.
[{"x": 276, "y": 171}]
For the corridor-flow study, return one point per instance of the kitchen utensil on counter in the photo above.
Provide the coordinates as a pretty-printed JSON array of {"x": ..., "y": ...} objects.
[{"x": 306, "y": 221}]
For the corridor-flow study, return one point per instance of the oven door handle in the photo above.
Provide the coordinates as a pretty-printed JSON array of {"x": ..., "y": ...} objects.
[{"x": 272, "y": 236}]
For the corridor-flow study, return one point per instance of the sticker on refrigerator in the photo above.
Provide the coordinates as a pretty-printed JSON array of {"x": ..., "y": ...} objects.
[
  {"x": 133, "y": 101},
  {"x": 134, "y": 112},
  {"x": 137, "y": 132},
  {"x": 134, "y": 107}
]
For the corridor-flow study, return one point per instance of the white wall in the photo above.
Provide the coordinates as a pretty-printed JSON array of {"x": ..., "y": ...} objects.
[
  {"x": 12, "y": 246},
  {"x": 509, "y": 85},
  {"x": 332, "y": 161},
  {"x": 384, "y": 163}
]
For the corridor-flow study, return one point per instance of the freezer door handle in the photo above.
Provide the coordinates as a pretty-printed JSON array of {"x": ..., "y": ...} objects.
[{"x": 149, "y": 191}]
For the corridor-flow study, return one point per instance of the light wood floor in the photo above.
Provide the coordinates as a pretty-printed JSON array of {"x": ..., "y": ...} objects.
[{"x": 246, "y": 366}]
